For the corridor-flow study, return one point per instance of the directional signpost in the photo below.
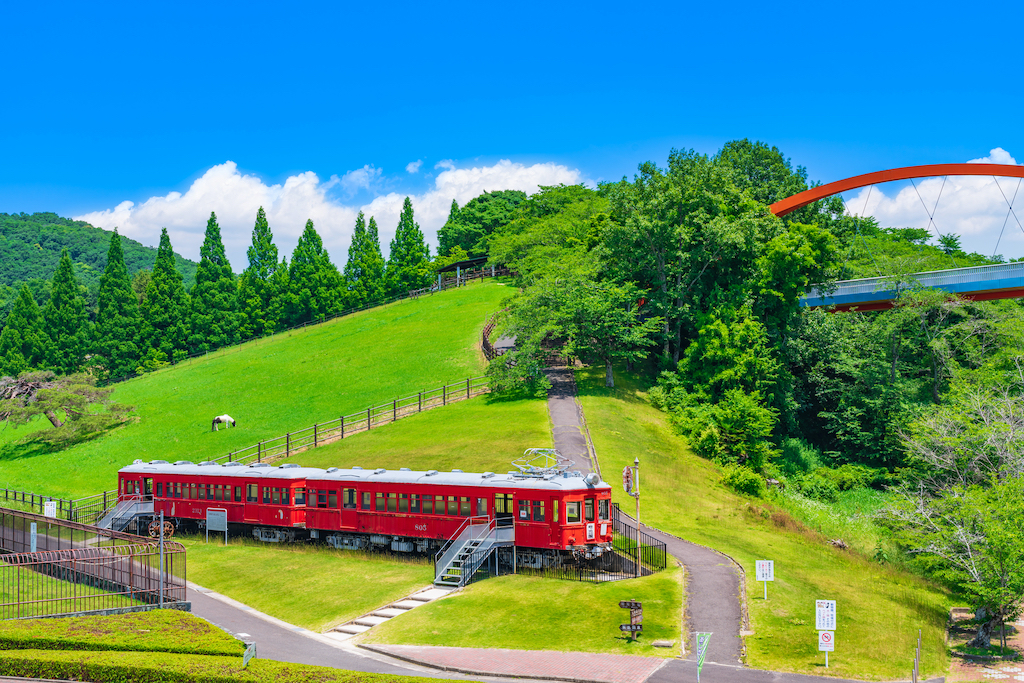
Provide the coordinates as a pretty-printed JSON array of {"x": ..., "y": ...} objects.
[
  {"x": 636, "y": 618},
  {"x": 825, "y": 622},
  {"x": 250, "y": 652},
  {"x": 766, "y": 573},
  {"x": 702, "y": 647}
]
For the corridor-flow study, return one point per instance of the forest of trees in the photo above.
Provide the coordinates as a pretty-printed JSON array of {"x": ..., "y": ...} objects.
[{"x": 135, "y": 317}]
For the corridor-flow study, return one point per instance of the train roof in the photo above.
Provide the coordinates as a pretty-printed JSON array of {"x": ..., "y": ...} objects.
[{"x": 561, "y": 481}]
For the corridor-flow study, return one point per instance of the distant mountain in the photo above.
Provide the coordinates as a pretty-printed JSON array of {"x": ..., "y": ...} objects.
[{"x": 30, "y": 247}]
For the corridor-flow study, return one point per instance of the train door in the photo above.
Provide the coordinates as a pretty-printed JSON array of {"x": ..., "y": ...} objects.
[
  {"x": 556, "y": 528},
  {"x": 251, "y": 507},
  {"x": 504, "y": 509},
  {"x": 349, "y": 511},
  {"x": 590, "y": 517},
  {"x": 147, "y": 488}
]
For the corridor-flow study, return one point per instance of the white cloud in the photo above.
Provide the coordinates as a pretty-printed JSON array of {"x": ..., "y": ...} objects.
[
  {"x": 235, "y": 197},
  {"x": 970, "y": 206},
  {"x": 446, "y": 164},
  {"x": 414, "y": 166}
]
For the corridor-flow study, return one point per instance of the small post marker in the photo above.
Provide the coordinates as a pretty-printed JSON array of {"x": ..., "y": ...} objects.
[
  {"x": 765, "y": 570},
  {"x": 825, "y": 622},
  {"x": 250, "y": 653},
  {"x": 702, "y": 648}
]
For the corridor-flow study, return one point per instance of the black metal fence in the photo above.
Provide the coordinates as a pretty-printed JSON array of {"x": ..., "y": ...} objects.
[
  {"x": 82, "y": 510},
  {"x": 52, "y": 566},
  {"x": 646, "y": 552}
]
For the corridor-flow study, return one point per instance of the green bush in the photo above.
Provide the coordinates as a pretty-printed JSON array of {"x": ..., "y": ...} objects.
[
  {"x": 154, "y": 667},
  {"x": 797, "y": 457},
  {"x": 818, "y": 487},
  {"x": 736, "y": 430},
  {"x": 744, "y": 480}
]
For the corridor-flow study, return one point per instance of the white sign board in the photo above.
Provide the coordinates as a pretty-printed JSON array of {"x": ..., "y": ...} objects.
[
  {"x": 825, "y": 615},
  {"x": 826, "y": 641},
  {"x": 217, "y": 519},
  {"x": 32, "y": 537},
  {"x": 250, "y": 652},
  {"x": 765, "y": 570},
  {"x": 50, "y": 508}
]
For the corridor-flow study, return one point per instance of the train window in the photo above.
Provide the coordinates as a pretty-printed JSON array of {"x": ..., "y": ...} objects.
[
  {"x": 266, "y": 495},
  {"x": 554, "y": 510},
  {"x": 366, "y": 500},
  {"x": 223, "y": 492},
  {"x": 403, "y": 502},
  {"x": 251, "y": 494},
  {"x": 524, "y": 510},
  {"x": 209, "y": 492},
  {"x": 311, "y": 495},
  {"x": 159, "y": 489},
  {"x": 321, "y": 499},
  {"x": 238, "y": 494},
  {"x": 453, "y": 506},
  {"x": 332, "y": 499},
  {"x": 572, "y": 512},
  {"x": 177, "y": 490},
  {"x": 392, "y": 502},
  {"x": 428, "y": 504},
  {"x": 602, "y": 509},
  {"x": 275, "y": 496},
  {"x": 192, "y": 491},
  {"x": 202, "y": 492},
  {"x": 415, "y": 507},
  {"x": 538, "y": 510},
  {"x": 481, "y": 507},
  {"x": 300, "y": 496},
  {"x": 348, "y": 499},
  {"x": 380, "y": 502},
  {"x": 464, "y": 506},
  {"x": 588, "y": 509}
]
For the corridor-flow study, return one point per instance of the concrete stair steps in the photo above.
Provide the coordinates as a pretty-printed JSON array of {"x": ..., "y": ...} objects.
[
  {"x": 338, "y": 636},
  {"x": 407, "y": 604},
  {"x": 389, "y": 612},
  {"x": 370, "y": 621},
  {"x": 352, "y": 629}
]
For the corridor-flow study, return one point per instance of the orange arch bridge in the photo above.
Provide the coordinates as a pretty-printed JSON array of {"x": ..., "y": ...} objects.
[{"x": 1000, "y": 281}]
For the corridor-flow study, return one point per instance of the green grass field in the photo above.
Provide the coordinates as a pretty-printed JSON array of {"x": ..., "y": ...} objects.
[
  {"x": 315, "y": 587},
  {"x": 533, "y": 613},
  {"x": 879, "y": 608},
  {"x": 483, "y": 434},
  {"x": 271, "y": 386}
]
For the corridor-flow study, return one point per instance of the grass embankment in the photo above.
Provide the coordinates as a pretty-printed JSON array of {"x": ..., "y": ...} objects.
[
  {"x": 483, "y": 434},
  {"x": 315, "y": 587},
  {"x": 163, "y": 645},
  {"x": 532, "y": 613},
  {"x": 879, "y": 608},
  {"x": 270, "y": 386}
]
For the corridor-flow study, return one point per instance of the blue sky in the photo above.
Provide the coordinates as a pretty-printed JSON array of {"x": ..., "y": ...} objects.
[{"x": 109, "y": 103}]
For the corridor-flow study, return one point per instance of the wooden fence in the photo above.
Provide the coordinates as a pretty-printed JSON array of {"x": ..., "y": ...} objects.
[{"x": 323, "y": 433}]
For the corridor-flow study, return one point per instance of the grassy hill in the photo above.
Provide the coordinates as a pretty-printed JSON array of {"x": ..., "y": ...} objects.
[
  {"x": 879, "y": 607},
  {"x": 270, "y": 386},
  {"x": 30, "y": 247}
]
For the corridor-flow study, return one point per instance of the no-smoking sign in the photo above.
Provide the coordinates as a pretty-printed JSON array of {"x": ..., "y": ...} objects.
[{"x": 826, "y": 641}]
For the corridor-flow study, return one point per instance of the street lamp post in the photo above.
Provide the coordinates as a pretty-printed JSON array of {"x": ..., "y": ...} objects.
[{"x": 636, "y": 489}]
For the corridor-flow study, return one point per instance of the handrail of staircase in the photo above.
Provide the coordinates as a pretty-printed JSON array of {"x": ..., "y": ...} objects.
[{"x": 457, "y": 536}]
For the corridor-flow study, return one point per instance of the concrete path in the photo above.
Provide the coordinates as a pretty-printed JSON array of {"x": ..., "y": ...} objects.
[{"x": 566, "y": 419}]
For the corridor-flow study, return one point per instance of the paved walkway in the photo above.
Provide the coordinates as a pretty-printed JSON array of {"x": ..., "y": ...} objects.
[
  {"x": 566, "y": 422},
  {"x": 558, "y": 666}
]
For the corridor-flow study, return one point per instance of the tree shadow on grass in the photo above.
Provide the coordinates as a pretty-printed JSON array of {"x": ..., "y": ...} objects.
[{"x": 44, "y": 443}]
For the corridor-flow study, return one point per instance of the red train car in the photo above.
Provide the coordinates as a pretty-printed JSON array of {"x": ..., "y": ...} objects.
[{"x": 403, "y": 510}]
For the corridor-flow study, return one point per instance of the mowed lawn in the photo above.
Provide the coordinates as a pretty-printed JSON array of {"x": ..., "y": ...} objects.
[
  {"x": 316, "y": 587},
  {"x": 483, "y": 434},
  {"x": 533, "y": 613},
  {"x": 278, "y": 384},
  {"x": 879, "y": 609}
]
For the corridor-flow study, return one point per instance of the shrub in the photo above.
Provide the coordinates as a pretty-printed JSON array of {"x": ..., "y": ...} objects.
[
  {"x": 818, "y": 487},
  {"x": 743, "y": 480},
  {"x": 736, "y": 430},
  {"x": 797, "y": 457}
]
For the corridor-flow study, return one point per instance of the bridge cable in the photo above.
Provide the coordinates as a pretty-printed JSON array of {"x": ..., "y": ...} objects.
[
  {"x": 856, "y": 224},
  {"x": 1009, "y": 203},
  {"x": 931, "y": 215}
]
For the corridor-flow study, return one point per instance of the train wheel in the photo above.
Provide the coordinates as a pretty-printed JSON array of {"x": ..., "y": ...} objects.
[{"x": 154, "y": 529}]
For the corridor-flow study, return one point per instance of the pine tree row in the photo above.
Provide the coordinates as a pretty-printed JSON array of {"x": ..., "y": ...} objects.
[{"x": 136, "y": 332}]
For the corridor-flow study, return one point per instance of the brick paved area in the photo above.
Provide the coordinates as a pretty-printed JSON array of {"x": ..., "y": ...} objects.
[{"x": 561, "y": 666}]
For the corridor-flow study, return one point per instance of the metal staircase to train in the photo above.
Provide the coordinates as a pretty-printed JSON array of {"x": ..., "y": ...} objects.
[
  {"x": 127, "y": 510},
  {"x": 468, "y": 549}
]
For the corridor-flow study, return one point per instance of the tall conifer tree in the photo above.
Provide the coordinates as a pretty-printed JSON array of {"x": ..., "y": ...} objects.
[
  {"x": 117, "y": 319},
  {"x": 23, "y": 343},
  {"x": 259, "y": 297},
  {"x": 353, "y": 273},
  {"x": 65, "y": 320},
  {"x": 448, "y": 236},
  {"x": 214, "y": 321},
  {"x": 373, "y": 264},
  {"x": 164, "y": 335},
  {"x": 409, "y": 261},
  {"x": 314, "y": 282}
]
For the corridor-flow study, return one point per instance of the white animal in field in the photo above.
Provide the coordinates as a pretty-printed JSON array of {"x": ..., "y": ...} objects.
[{"x": 222, "y": 420}]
